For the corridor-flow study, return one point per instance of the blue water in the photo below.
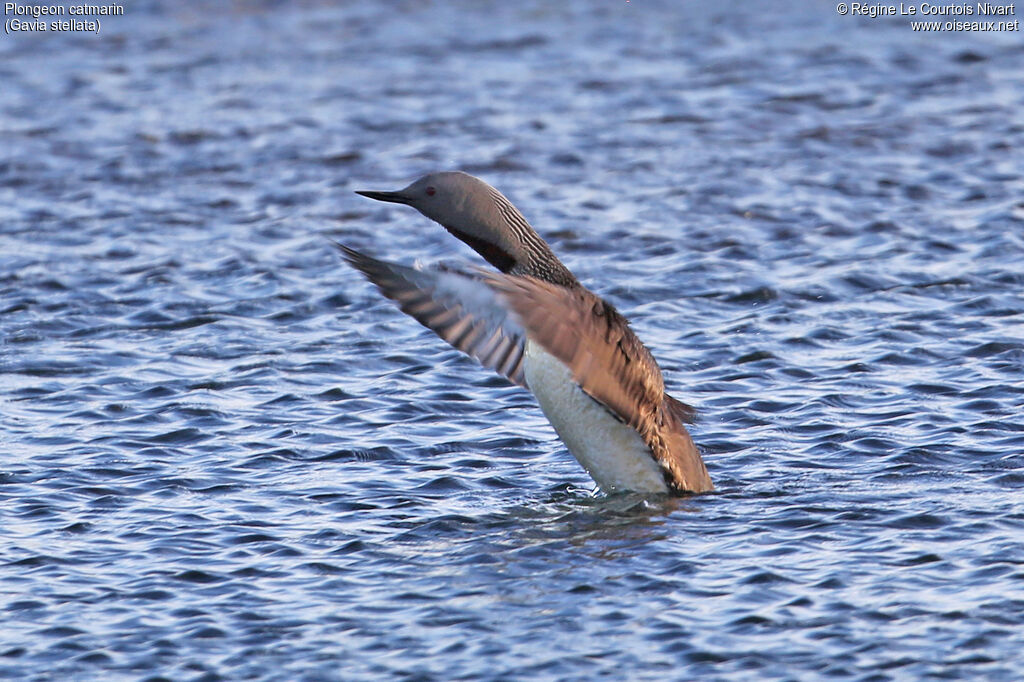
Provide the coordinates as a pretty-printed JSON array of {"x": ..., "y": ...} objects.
[{"x": 224, "y": 456}]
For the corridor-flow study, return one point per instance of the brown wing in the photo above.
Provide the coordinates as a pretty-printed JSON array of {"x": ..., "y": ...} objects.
[
  {"x": 683, "y": 412},
  {"x": 680, "y": 457},
  {"x": 459, "y": 308},
  {"x": 587, "y": 334},
  {"x": 611, "y": 365}
]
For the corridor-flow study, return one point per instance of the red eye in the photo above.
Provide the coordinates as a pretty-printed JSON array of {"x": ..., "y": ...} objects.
[{"x": 431, "y": 191}]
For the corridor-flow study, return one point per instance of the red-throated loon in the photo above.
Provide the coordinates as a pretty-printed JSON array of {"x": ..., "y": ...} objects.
[{"x": 538, "y": 326}]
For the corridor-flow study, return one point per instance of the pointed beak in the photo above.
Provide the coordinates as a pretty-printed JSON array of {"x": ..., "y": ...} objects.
[{"x": 393, "y": 197}]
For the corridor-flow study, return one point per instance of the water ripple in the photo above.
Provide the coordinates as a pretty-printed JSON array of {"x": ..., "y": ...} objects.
[{"x": 227, "y": 457}]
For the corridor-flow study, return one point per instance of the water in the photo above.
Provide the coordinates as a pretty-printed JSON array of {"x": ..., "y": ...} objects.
[{"x": 225, "y": 456}]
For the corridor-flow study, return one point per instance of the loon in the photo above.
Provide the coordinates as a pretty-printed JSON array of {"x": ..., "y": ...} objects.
[{"x": 536, "y": 325}]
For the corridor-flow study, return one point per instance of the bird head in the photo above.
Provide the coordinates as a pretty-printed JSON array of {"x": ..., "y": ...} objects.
[{"x": 471, "y": 210}]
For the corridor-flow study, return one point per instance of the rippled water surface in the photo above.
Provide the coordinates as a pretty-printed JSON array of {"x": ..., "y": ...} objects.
[{"x": 225, "y": 456}]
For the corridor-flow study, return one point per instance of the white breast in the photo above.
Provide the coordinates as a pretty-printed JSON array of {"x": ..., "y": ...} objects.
[{"x": 612, "y": 452}]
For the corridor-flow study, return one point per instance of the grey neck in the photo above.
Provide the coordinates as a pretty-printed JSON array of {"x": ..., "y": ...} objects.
[{"x": 534, "y": 258}]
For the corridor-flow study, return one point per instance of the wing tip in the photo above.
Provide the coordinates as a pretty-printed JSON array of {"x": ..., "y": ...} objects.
[
  {"x": 687, "y": 414},
  {"x": 372, "y": 268},
  {"x": 349, "y": 254},
  {"x": 416, "y": 298}
]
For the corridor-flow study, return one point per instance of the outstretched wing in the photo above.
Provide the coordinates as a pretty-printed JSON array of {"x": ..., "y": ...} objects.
[
  {"x": 458, "y": 307},
  {"x": 606, "y": 358},
  {"x": 611, "y": 365}
]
